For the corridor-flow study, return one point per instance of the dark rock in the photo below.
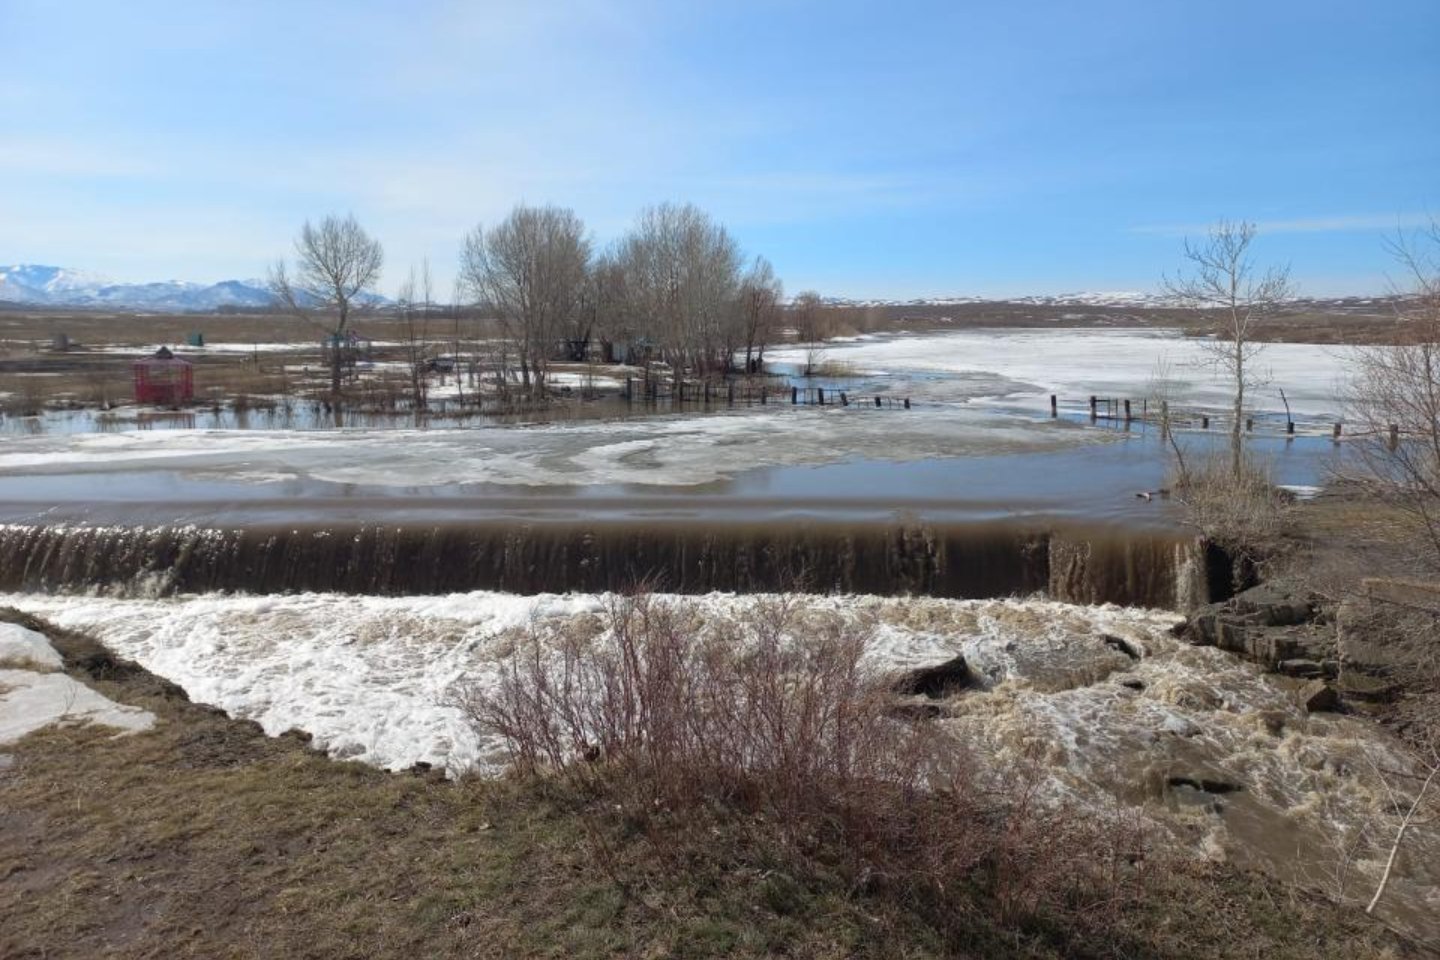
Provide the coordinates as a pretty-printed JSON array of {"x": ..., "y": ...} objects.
[
  {"x": 298, "y": 735},
  {"x": 935, "y": 682},
  {"x": 1305, "y": 669},
  {"x": 1319, "y": 697},
  {"x": 915, "y": 710},
  {"x": 1122, "y": 645},
  {"x": 1204, "y": 784},
  {"x": 1133, "y": 683}
]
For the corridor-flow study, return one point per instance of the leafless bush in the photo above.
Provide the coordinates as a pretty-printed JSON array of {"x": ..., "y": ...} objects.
[
  {"x": 1245, "y": 513},
  {"x": 1394, "y": 399},
  {"x": 665, "y": 722}
]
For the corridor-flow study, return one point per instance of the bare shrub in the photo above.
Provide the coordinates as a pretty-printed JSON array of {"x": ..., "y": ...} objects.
[
  {"x": 662, "y": 722},
  {"x": 1245, "y": 513}
]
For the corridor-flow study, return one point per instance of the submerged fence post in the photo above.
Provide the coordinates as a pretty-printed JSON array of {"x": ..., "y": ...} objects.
[
  {"x": 794, "y": 395},
  {"x": 1336, "y": 434},
  {"x": 1094, "y": 409},
  {"x": 877, "y": 402},
  {"x": 907, "y": 403},
  {"x": 844, "y": 401},
  {"x": 1054, "y": 406},
  {"x": 1127, "y": 411},
  {"x": 820, "y": 395},
  {"x": 1249, "y": 424},
  {"x": 1204, "y": 423},
  {"x": 1290, "y": 428},
  {"x": 1394, "y": 440}
]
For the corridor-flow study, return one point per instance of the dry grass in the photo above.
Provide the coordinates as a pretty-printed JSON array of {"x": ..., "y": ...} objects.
[{"x": 204, "y": 838}]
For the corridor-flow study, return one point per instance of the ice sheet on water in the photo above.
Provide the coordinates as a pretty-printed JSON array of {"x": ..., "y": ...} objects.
[
  {"x": 656, "y": 451},
  {"x": 1076, "y": 363}
]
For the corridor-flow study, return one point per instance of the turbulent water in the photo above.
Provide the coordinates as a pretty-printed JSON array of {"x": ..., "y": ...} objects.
[{"x": 1214, "y": 751}]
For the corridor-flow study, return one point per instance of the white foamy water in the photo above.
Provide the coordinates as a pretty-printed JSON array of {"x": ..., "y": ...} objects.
[{"x": 368, "y": 677}]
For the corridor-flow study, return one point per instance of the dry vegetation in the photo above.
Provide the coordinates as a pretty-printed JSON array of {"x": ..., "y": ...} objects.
[{"x": 202, "y": 837}]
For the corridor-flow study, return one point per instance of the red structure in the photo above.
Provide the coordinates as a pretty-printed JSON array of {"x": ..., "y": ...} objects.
[{"x": 164, "y": 379}]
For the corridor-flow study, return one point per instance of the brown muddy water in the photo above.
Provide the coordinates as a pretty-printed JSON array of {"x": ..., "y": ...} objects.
[{"x": 1079, "y": 564}]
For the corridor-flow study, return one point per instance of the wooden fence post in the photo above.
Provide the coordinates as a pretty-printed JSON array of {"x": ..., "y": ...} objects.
[
  {"x": 907, "y": 403},
  {"x": 1054, "y": 406},
  {"x": 1204, "y": 423},
  {"x": 1290, "y": 428},
  {"x": 820, "y": 395},
  {"x": 877, "y": 402},
  {"x": 1127, "y": 411},
  {"x": 1394, "y": 440},
  {"x": 1336, "y": 434},
  {"x": 1094, "y": 409}
]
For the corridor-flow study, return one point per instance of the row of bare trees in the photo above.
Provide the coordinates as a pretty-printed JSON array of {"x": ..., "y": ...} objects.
[{"x": 675, "y": 288}]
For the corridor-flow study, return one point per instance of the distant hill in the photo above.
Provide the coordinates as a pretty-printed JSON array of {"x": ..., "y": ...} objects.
[
  {"x": 40, "y": 285},
  {"x": 29, "y": 284}
]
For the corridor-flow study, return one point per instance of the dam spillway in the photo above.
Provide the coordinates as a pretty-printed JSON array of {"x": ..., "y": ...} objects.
[{"x": 1073, "y": 563}]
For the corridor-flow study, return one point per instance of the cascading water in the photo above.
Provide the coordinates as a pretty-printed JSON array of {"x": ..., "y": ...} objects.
[{"x": 1075, "y": 564}]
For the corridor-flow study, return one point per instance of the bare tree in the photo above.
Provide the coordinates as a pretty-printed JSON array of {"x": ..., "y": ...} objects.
[
  {"x": 415, "y": 304},
  {"x": 531, "y": 270},
  {"x": 1223, "y": 286},
  {"x": 336, "y": 261},
  {"x": 808, "y": 312},
  {"x": 1394, "y": 397},
  {"x": 681, "y": 281},
  {"x": 760, "y": 296}
]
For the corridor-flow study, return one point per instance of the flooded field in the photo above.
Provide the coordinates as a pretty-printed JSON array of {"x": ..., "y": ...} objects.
[{"x": 976, "y": 444}]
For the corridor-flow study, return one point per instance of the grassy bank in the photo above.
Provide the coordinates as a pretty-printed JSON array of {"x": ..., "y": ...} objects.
[{"x": 205, "y": 838}]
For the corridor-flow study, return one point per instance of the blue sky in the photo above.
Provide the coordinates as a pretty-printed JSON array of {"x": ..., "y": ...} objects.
[{"x": 869, "y": 149}]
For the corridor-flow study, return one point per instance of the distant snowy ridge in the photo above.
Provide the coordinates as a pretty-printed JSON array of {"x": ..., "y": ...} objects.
[
  {"x": 64, "y": 287},
  {"x": 38, "y": 285},
  {"x": 1114, "y": 298}
]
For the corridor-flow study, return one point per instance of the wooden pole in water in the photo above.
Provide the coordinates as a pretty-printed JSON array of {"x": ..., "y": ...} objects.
[
  {"x": 730, "y": 390},
  {"x": 1290, "y": 427},
  {"x": 1128, "y": 418},
  {"x": 844, "y": 402},
  {"x": 794, "y": 395},
  {"x": 820, "y": 395},
  {"x": 1094, "y": 409},
  {"x": 1249, "y": 424},
  {"x": 1204, "y": 423},
  {"x": 877, "y": 401},
  {"x": 1054, "y": 406},
  {"x": 1394, "y": 440},
  {"x": 1336, "y": 434},
  {"x": 907, "y": 403}
]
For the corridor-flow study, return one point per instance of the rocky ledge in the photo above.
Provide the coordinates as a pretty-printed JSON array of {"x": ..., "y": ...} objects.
[{"x": 1355, "y": 652}]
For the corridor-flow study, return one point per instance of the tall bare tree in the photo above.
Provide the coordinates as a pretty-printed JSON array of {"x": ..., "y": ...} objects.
[
  {"x": 1222, "y": 284},
  {"x": 682, "y": 277},
  {"x": 808, "y": 314},
  {"x": 531, "y": 270},
  {"x": 760, "y": 296},
  {"x": 1397, "y": 387},
  {"x": 415, "y": 300},
  {"x": 336, "y": 262}
]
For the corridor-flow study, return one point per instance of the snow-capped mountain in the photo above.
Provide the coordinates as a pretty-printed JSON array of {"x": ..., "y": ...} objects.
[{"x": 64, "y": 287}]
